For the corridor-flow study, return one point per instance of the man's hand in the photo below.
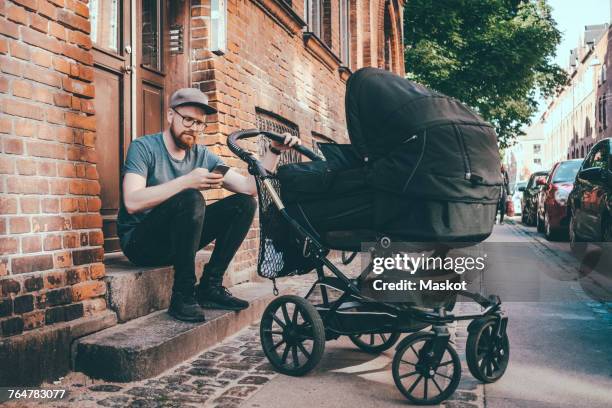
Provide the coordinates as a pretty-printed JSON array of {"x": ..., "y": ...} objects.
[
  {"x": 202, "y": 179},
  {"x": 290, "y": 141}
]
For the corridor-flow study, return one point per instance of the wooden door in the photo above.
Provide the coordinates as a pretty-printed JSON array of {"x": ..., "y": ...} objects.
[
  {"x": 110, "y": 32},
  {"x": 144, "y": 67}
]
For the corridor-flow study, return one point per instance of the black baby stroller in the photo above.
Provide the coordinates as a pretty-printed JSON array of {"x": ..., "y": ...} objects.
[{"x": 426, "y": 367}]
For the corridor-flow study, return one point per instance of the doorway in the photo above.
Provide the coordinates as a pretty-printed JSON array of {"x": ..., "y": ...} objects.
[{"x": 137, "y": 63}]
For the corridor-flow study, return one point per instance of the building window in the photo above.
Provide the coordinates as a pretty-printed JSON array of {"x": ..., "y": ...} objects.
[
  {"x": 218, "y": 26},
  {"x": 270, "y": 121},
  {"x": 104, "y": 18},
  {"x": 318, "y": 19},
  {"x": 537, "y": 162},
  {"x": 537, "y": 149},
  {"x": 345, "y": 33},
  {"x": 151, "y": 38},
  {"x": 312, "y": 10}
]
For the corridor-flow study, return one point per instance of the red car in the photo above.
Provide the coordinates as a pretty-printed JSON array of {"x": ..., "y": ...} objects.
[{"x": 552, "y": 217}]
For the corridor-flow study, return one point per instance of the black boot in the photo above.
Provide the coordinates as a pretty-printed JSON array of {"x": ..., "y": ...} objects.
[
  {"x": 216, "y": 296},
  {"x": 185, "y": 308}
]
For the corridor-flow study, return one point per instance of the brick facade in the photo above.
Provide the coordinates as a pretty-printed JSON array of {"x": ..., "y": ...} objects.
[
  {"x": 51, "y": 254},
  {"x": 270, "y": 67},
  {"x": 51, "y": 266},
  {"x": 274, "y": 72}
]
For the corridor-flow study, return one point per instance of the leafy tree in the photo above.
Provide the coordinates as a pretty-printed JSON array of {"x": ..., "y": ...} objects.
[{"x": 493, "y": 55}]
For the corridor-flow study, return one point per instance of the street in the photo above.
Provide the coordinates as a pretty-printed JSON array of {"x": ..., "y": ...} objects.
[{"x": 560, "y": 353}]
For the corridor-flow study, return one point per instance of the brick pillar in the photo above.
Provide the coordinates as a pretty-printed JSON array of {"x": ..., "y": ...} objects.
[{"x": 50, "y": 227}]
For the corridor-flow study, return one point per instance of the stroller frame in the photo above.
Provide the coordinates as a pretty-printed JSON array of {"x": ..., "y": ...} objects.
[{"x": 353, "y": 314}]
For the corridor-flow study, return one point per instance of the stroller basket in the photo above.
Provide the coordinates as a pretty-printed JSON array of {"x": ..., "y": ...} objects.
[{"x": 280, "y": 248}]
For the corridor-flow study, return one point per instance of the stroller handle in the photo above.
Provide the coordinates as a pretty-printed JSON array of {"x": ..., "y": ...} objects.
[{"x": 247, "y": 133}]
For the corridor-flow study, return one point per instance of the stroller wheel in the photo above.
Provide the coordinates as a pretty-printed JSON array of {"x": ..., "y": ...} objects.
[
  {"x": 292, "y": 335},
  {"x": 486, "y": 352},
  {"x": 374, "y": 343},
  {"x": 417, "y": 377}
]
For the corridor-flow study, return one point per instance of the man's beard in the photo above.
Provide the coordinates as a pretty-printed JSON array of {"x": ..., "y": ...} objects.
[{"x": 183, "y": 141}]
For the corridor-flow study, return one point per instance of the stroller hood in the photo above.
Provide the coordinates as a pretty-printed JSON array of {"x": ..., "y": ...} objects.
[{"x": 383, "y": 110}]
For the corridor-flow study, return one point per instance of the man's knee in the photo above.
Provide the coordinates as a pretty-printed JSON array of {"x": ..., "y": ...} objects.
[
  {"x": 191, "y": 201},
  {"x": 247, "y": 204}
]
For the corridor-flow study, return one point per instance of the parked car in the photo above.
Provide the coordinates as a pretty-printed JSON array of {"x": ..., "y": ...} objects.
[
  {"x": 517, "y": 196},
  {"x": 590, "y": 203},
  {"x": 552, "y": 217},
  {"x": 529, "y": 202}
]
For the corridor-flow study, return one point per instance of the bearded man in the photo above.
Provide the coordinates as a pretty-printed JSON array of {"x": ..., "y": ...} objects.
[{"x": 164, "y": 219}]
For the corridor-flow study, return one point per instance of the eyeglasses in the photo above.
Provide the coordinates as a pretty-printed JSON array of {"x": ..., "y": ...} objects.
[{"x": 189, "y": 122}]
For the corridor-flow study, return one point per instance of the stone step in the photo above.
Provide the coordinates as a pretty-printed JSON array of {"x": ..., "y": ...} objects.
[
  {"x": 135, "y": 291},
  {"x": 147, "y": 346}
]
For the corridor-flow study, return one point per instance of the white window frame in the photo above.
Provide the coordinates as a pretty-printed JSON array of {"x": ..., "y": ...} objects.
[
  {"x": 345, "y": 32},
  {"x": 313, "y": 14}
]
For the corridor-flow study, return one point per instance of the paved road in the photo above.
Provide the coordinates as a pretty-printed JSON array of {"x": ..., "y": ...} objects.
[{"x": 560, "y": 335}]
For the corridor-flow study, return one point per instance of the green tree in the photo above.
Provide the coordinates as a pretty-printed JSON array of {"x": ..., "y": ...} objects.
[{"x": 493, "y": 55}]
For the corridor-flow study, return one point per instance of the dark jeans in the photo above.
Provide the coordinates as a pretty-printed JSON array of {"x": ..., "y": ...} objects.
[{"x": 176, "y": 229}]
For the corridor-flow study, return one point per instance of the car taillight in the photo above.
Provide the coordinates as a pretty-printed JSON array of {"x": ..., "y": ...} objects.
[{"x": 561, "y": 194}]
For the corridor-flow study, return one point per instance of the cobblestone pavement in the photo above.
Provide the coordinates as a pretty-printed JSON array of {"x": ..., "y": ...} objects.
[{"x": 222, "y": 376}]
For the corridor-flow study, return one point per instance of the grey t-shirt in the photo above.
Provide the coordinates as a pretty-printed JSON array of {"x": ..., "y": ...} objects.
[{"x": 149, "y": 157}]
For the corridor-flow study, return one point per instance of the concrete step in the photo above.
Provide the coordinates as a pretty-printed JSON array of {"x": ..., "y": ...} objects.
[
  {"x": 135, "y": 291},
  {"x": 147, "y": 346}
]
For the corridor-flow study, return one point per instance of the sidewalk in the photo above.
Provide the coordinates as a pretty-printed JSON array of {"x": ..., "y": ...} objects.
[
  {"x": 230, "y": 373},
  {"x": 222, "y": 376}
]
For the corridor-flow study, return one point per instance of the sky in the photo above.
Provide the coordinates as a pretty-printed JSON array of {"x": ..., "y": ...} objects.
[{"x": 571, "y": 17}]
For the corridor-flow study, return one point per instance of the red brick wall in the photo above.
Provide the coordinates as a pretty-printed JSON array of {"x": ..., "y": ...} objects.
[
  {"x": 50, "y": 225},
  {"x": 268, "y": 68}
]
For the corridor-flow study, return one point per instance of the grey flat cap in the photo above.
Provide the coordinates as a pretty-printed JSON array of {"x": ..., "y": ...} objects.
[{"x": 191, "y": 96}]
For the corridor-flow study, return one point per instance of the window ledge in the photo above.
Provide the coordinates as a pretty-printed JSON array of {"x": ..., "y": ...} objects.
[
  {"x": 321, "y": 51},
  {"x": 345, "y": 72},
  {"x": 283, "y": 14}
]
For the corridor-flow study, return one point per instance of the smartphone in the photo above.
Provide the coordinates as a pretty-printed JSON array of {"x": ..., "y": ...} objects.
[{"x": 221, "y": 169}]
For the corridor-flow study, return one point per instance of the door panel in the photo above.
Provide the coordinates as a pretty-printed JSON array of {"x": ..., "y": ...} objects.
[
  {"x": 152, "y": 109},
  {"x": 109, "y": 87},
  {"x": 108, "y": 91}
]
